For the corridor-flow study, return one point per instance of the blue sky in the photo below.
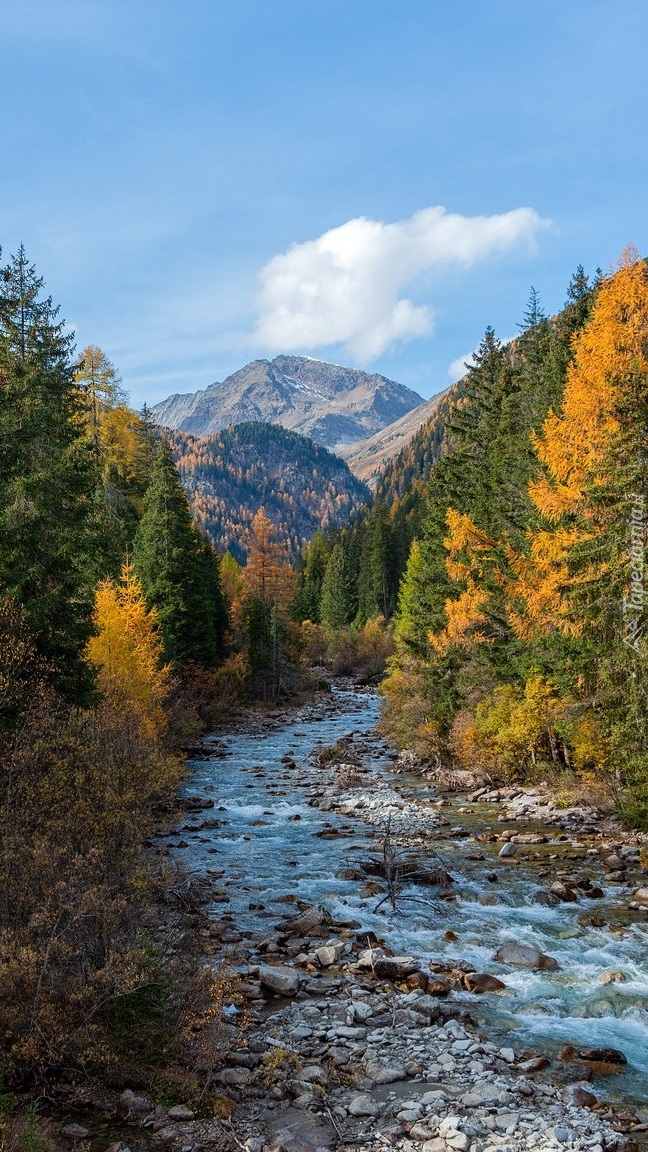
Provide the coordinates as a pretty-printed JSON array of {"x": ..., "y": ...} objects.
[{"x": 205, "y": 183}]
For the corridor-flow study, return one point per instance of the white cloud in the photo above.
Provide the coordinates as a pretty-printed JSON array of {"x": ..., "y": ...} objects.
[
  {"x": 345, "y": 287},
  {"x": 458, "y": 367}
]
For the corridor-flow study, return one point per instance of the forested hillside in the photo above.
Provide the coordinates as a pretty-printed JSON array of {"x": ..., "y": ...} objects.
[
  {"x": 230, "y": 475},
  {"x": 508, "y": 541}
]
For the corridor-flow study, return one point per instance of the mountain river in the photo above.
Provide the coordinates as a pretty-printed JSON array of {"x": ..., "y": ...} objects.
[{"x": 267, "y": 845}]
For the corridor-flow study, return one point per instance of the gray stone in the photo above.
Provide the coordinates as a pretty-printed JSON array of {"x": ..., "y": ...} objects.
[
  {"x": 509, "y": 850},
  {"x": 396, "y": 967},
  {"x": 132, "y": 1107},
  {"x": 363, "y": 1106},
  {"x": 75, "y": 1132},
  {"x": 329, "y": 954},
  {"x": 181, "y": 1112},
  {"x": 523, "y": 956},
  {"x": 283, "y": 981},
  {"x": 385, "y": 1073}
]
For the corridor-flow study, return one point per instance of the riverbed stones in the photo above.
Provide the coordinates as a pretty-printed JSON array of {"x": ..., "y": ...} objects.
[{"x": 524, "y": 956}]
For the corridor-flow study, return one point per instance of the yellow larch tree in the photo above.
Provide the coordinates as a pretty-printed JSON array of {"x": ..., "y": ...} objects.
[{"x": 127, "y": 649}]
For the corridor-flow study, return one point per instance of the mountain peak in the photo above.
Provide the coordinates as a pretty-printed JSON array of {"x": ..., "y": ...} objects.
[{"x": 332, "y": 404}]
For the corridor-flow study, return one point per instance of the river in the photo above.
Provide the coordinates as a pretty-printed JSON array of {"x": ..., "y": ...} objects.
[{"x": 266, "y": 846}]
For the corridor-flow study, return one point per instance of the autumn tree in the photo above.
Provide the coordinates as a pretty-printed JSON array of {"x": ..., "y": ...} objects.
[
  {"x": 127, "y": 649},
  {"x": 269, "y": 582}
]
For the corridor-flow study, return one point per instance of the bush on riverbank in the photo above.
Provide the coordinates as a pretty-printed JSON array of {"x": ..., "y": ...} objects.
[{"x": 361, "y": 652}]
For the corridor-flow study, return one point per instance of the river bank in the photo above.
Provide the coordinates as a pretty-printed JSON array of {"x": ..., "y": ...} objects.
[{"x": 376, "y": 1006}]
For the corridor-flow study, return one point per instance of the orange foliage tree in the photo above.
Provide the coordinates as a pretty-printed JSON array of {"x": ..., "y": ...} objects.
[{"x": 127, "y": 649}]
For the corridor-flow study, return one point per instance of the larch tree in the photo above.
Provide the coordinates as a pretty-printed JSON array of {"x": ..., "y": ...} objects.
[
  {"x": 127, "y": 649},
  {"x": 269, "y": 583}
]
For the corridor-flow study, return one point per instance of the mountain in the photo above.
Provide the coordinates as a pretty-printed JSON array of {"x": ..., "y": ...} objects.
[
  {"x": 367, "y": 458},
  {"x": 334, "y": 406},
  {"x": 229, "y": 475}
]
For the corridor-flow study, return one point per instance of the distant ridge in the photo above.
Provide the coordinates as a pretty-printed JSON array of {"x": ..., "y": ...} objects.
[
  {"x": 333, "y": 405},
  {"x": 230, "y": 474}
]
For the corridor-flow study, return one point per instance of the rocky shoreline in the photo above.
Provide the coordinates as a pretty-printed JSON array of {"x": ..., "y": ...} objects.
[{"x": 329, "y": 1041}]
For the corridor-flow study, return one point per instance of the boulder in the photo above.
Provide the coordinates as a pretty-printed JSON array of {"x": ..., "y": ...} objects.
[
  {"x": 438, "y": 988},
  {"x": 613, "y": 977},
  {"x": 395, "y": 967},
  {"x": 479, "y": 982},
  {"x": 641, "y": 895},
  {"x": 283, "y": 981},
  {"x": 75, "y": 1132},
  {"x": 363, "y": 1106},
  {"x": 329, "y": 954},
  {"x": 383, "y": 1073},
  {"x": 579, "y": 1096},
  {"x": 132, "y": 1107},
  {"x": 564, "y": 892},
  {"x": 181, "y": 1112},
  {"x": 535, "y": 1064},
  {"x": 523, "y": 956},
  {"x": 547, "y": 899},
  {"x": 603, "y": 1056},
  {"x": 508, "y": 850},
  {"x": 312, "y": 918},
  {"x": 301, "y": 1131}
]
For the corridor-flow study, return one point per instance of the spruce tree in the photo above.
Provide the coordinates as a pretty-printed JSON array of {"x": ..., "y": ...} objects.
[
  {"x": 169, "y": 558},
  {"x": 309, "y": 596},
  {"x": 334, "y": 603},
  {"x": 46, "y": 477}
]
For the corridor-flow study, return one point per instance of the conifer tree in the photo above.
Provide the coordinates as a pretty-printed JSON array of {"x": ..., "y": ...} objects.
[
  {"x": 334, "y": 609},
  {"x": 309, "y": 597},
  {"x": 46, "y": 478},
  {"x": 169, "y": 557}
]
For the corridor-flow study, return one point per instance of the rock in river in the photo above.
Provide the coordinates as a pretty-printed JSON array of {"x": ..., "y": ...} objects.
[
  {"x": 283, "y": 981},
  {"x": 523, "y": 956},
  {"x": 482, "y": 982}
]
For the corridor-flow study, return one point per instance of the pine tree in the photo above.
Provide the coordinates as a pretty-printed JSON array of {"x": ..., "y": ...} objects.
[
  {"x": 169, "y": 559},
  {"x": 46, "y": 478}
]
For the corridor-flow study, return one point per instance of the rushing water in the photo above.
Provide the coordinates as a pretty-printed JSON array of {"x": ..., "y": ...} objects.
[{"x": 262, "y": 853}]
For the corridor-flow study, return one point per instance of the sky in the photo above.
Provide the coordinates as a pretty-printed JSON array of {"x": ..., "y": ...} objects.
[{"x": 371, "y": 183}]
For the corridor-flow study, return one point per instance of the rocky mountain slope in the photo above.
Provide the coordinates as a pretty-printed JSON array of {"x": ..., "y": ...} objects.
[
  {"x": 229, "y": 475},
  {"x": 333, "y": 405},
  {"x": 366, "y": 458}
]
